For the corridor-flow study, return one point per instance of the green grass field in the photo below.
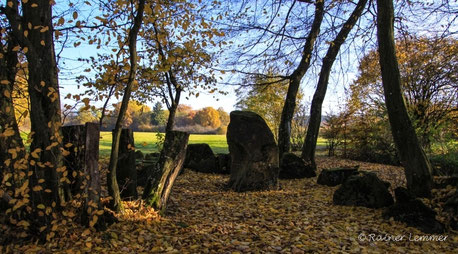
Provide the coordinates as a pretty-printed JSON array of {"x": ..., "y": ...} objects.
[{"x": 146, "y": 142}]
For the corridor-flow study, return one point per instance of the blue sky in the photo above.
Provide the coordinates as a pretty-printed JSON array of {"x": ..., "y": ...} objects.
[
  {"x": 70, "y": 68},
  {"x": 343, "y": 73}
]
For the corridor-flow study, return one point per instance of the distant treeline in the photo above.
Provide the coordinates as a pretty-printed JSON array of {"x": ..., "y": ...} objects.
[{"x": 140, "y": 117}]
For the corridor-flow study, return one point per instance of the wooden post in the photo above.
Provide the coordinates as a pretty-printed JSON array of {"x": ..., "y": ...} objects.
[
  {"x": 159, "y": 184},
  {"x": 127, "y": 173},
  {"x": 83, "y": 171},
  {"x": 92, "y": 207}
]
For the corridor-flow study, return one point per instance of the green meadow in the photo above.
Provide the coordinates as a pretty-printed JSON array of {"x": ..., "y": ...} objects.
[{"x": 147, "y": 142}]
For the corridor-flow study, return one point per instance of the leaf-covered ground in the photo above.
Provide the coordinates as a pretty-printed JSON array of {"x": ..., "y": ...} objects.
[{"x": 204, "y": 218}]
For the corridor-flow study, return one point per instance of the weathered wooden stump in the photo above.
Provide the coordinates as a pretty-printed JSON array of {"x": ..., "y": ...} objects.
[
  {"x": 254, "y": 153},
  {"x": 92, "y": 207},
  {"x": 83, "y": 171},
  {"x": 159, "y": 184},
  {"x": 126, "y": 172},
  {"x": 74, "y": 138}
]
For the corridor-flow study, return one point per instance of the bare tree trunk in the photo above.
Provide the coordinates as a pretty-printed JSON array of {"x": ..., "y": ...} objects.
[
  {"x": 113, "y": 188},
  {"x": 308, "y": 150},
  {"x": 413, "y": 158},
  {"x": 160, "y": 183},
  {"x": 8, "y": 122},
  {"x": 171, "y": 118},
  {"x": 284, "y": 130}
]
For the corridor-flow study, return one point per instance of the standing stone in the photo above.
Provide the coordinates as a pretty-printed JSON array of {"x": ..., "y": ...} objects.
[
  {"x": 363, "y": 189},
  {"x": 294, "y": 167},
  {"x": 413, "y": 212},
  {"x": 139, "y": 155},
  {"x": 336, "y": 176},
  {"x": 127, "y": 172},
  {"x": 200, "y": 158},
  {"x": 224, "y": 163},
  {"x": 254, "y": 153}
]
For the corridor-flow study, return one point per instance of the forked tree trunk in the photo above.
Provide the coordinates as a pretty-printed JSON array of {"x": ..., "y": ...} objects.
[
  {"x": 113, "y": 188},
  {"x": 160, "y": 183},
  {"x": 308, "y": 150},
  {"x": 416, "y": 165},
  {"x": 284, "y": 130},
  {"x": 173, "y": 88}
]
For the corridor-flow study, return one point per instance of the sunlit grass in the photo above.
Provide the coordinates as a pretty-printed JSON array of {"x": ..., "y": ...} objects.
[{"x": 147, "y": 142}]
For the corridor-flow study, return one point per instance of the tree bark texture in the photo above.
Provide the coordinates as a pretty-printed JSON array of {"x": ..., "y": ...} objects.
[
  {"x": 113, "y": 188},
  {"x": 171, "y": 118},
  {"x": 309, "y": 147},
  {"x": 160, "y": 183},
  {"x": 45, "y": 113},
  {"x": 127, "y": 172},
  {"x": 74, "y": 161},
  {"x": 416, "y": 165},
  {"x": 10, "y": 139},
  {"x": 284, "y": 131}
]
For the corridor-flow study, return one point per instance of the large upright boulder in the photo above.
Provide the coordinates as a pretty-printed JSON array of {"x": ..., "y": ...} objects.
[
  {"x": 363, "y": 189},
  {"x": 294, "y": 167},
  {"x": 413, "y": 212},
  {"x": 254, "y": 153},
  {"x": 200, "y": 158}
]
